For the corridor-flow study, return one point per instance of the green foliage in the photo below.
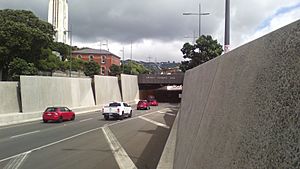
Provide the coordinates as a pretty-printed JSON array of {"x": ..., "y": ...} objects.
[
  {"x": 91, "y": 68},
  {"x": 62, "y": 48},
  {"x": 115, "y": 70},
  {"x": 131, "y": 67},
  {"x": 22, "y": 35},
  {"x": 20, "y": 67},
  {"x": 204, "y": 50},
  {"x": 51, "y": 64}
]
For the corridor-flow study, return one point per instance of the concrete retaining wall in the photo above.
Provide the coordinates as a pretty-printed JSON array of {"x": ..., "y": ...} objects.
[
  {"x": 106, "y": 89},
  {"x": 9, "y": 98},
  {"x": 130, "y": 88},
  {"x": 241, "y": 110},
  {"x": 38, "y": 92}
]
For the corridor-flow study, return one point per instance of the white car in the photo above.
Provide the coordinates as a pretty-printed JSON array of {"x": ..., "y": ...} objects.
[{"x": 118, "y": 110}]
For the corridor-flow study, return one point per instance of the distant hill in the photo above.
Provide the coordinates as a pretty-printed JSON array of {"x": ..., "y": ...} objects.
[{"x": 156, "y": 67}]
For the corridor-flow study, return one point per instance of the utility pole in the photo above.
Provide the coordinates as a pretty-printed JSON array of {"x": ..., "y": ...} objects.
[
  {"x": 130, "y": 57},
  {"x": 227, "y": 26},
  {"x": 199, "y": 17}
]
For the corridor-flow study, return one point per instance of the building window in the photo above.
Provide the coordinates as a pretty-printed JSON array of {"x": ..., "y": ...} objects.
[
  {"x": 103, "y": 59},
  {"x": 102, "y": 70},
  {"x": 91, "y": 57},
  {"x": 79, "y": 57}
]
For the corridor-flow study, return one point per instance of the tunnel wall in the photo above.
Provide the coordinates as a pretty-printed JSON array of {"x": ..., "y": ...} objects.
[
  {"x": 106, "y": 89},
  {"x": 9, "y": 98},
  {"x": 130, "y": 88},
  {"x": 241, "y": 110},
  {"x": 38, "y": 92}
]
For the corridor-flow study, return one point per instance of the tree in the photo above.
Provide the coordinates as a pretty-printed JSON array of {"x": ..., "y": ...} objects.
[
  {"x": 91, "y": 68},
  {"x": 20, "y": 67},
  {"x": 51, "y": 64},
  {"x": 63, "y": 49},
  {"x": 204, "y": 50},
  {"x": 22, "y": 35},
  {"x": 115, "y": 70}
]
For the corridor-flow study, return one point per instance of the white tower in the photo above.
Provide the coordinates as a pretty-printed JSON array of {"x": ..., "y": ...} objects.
[{"x": 58, "y": 17}]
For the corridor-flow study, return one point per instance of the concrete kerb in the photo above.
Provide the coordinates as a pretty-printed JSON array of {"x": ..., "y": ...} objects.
[
  {"x": 17, "y": 118},
  {"x": 167, "y": 158}
]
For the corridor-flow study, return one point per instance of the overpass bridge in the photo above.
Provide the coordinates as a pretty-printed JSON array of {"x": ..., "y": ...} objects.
[{"x": 161, "y": 86}]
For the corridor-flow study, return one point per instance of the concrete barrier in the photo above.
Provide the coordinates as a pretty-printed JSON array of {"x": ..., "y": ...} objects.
[
  {"x": 241, "y": 110},
  {"x": 38, "y": 92},
  {"x": 130, "y": 88},
  {"x": 9, "y": 98},
  {"x": 106, "y": 89}
]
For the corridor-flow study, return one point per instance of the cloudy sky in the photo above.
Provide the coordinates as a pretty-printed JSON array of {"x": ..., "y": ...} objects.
[{"x": 157, "y": 28}]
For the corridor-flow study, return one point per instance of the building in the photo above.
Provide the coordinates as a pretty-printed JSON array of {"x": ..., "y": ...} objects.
[
  {"x": 103, "y": 57},
  {"x": 58, "y": 17}
]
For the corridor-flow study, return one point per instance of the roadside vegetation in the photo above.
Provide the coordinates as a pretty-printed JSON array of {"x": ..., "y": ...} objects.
[
  {"x": 26, "y": 45},
  {"x": 205, "y": 49}
]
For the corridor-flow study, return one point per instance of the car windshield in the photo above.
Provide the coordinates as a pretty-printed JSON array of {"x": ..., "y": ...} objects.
[
  {"x": 114, "y": 104},
  {"x": 51, "y": 109}
]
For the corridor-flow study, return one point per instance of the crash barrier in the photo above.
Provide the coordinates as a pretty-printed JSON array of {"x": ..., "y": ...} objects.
[
  {"x": 9, "y": 98},
  {"x": 106, "y": 89},
  {"x": 129, "y": 88},
  {"x": 39, "y": 92},
  {"x": 241, "y": 110}
]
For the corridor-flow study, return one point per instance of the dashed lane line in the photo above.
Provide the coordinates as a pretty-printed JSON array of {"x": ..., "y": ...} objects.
[
  {"x": 24, "y": 134},
  {"x": 118, "y": 151}
]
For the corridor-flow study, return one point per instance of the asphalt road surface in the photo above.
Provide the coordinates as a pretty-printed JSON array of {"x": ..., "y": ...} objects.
[{"x": 89, "y": 142}]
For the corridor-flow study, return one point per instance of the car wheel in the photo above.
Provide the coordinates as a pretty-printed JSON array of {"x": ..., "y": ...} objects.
[
  {"x": 130, "y": 114},
  {"x": 122, "y": 116},
  {"x": 73, "y": 117},
  {"x": 60, "y": 119},
  {"x": 148, "y": 107},
  {"x": 106, "y": 117},
  {"x": 45, "y": 121}
]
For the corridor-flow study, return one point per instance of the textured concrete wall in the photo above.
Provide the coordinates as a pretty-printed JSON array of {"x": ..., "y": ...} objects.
[
  {"x": 130, "y": 88},
  {"x": 39, "y": 92},
  {"x": 241, "y": 110},
  {"x": 106, "y": 89},
  {"x": 9, "y": 98}
]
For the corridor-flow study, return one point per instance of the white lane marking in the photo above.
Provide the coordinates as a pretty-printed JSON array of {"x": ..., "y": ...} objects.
[
  {"x": 170, "y": 114},
  {"x": 17, "y": 161},
  {"x": 154, "y": 112},
  {"x": 53, "y": 143},
  {"x": 118, "y": 151},
  {"x": 86, "y": 120},
  {"x": 24, "y": 134},
  {"x": 18, "y": 125},
  {"x": 154, "y": 122},
  {"x": 68, "y": 138}
]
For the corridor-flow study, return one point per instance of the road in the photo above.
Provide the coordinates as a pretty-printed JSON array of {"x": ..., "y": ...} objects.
[{"x": 89, "y": 142}]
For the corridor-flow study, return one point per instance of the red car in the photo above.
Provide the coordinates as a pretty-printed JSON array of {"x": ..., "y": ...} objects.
[
  {"x": 143, "y": 105},
  {"x": 153, "y": 102},
  {"x": 58, "y": 114}
]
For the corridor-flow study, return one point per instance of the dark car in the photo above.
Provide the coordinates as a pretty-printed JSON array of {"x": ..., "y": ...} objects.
[
  {"x": 143, "y": 105},
  {"x": 58, "y": 114}
]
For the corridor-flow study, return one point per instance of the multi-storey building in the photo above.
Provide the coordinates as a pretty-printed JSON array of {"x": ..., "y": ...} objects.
[{"x": 103, "y": 57}]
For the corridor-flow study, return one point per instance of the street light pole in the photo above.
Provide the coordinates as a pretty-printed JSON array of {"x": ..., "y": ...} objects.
[
  {"x": 199, "y": 15},
  {"x": 227, "y": 26}
]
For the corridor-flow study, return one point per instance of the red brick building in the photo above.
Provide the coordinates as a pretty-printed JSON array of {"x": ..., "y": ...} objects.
[{"x": 103, "y": 57}]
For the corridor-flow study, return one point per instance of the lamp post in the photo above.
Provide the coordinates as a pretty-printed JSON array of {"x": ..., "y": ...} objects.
[
  {"x": 123, "y": 59},
  {"x": 199, "y": 17},
  {"x": 227, "y": 26}
]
